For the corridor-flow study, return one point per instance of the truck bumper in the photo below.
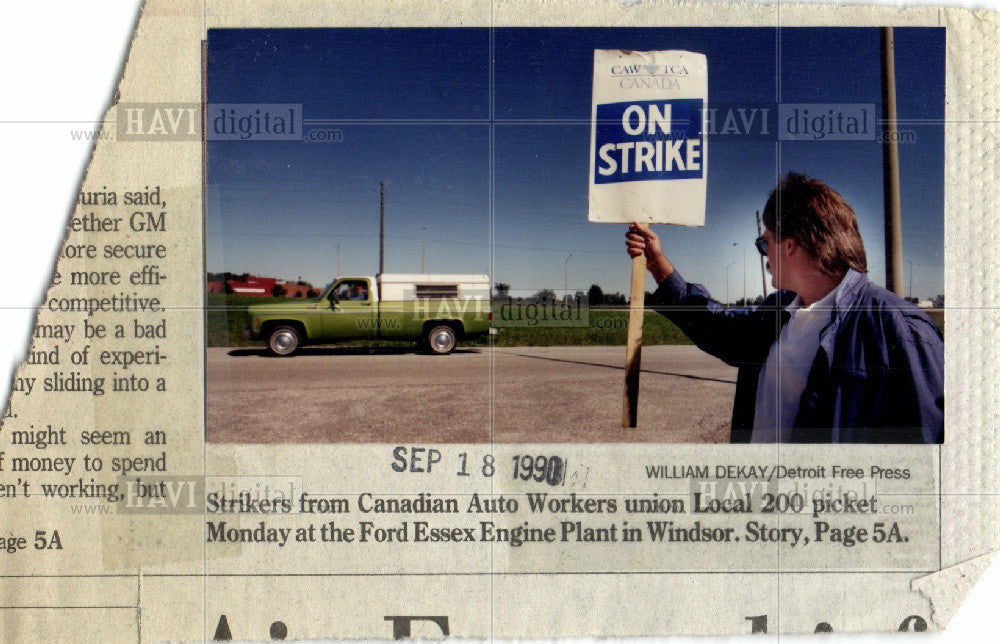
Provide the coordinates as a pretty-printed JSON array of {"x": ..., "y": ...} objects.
[{"x": 247, "y": 334}]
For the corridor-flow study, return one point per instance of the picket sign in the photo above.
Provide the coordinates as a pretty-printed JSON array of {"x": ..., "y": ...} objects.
[{"x": 648, "y": 160}]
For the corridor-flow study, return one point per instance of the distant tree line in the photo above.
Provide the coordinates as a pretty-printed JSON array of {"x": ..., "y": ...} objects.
[{"x": 594, "y": 297}]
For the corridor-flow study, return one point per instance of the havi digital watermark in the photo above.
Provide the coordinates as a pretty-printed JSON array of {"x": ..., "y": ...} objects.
[{"x": 548, "y": 312}]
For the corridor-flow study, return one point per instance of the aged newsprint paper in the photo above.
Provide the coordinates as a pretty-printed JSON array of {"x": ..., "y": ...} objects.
[{"x": 327, "y": 348}]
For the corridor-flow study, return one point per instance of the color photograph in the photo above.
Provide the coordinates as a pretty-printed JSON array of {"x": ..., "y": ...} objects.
[{"x": 401, "y": 239}]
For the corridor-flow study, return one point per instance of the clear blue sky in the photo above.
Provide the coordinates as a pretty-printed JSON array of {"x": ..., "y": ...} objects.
[{"x": 417, "y": 109}]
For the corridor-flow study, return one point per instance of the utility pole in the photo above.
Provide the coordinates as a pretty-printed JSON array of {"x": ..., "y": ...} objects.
[
  {"x": 423, "y": 252},
  {"x": 744, "y": 271},
  {"x": 745, "y": 303},
  {"x": 763, "y": 272},
  {"x": 381, "y": 231},
  {"x": 566, "y": 280},
  {"x": 381, "y": 254},
  {"x": 890, "y": 169},
  {"x": 727, "y": 280}
]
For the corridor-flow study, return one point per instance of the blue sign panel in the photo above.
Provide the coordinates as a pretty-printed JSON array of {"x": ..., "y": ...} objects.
[{"x": 649, "y": 140}]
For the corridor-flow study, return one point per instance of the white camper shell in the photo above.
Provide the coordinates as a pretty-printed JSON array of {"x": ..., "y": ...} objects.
[{"x": 427, "y": 286}]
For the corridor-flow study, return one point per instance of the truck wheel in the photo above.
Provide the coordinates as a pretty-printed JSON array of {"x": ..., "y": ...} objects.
[
  {"x": 284, "y": 340},
  {"x": 441, "y": 339}
]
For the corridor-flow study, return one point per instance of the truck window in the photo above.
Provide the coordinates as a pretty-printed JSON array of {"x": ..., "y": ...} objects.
[
  {"x": 356, "y": 290},
  {"x": 437, "y": 291}
]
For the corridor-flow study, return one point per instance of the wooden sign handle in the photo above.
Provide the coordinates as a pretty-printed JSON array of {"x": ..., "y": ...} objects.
[{"x": 633, "y": 347}]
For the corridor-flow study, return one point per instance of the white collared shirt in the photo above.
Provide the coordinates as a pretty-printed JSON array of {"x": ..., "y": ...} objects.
[{"x": 784, "y": 376}]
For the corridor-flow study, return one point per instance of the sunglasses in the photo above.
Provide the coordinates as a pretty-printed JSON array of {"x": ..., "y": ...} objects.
[{"x": 761, "y": 245}]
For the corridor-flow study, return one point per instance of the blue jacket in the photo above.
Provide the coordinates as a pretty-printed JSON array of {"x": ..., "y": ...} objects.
[{"x": 878, "y": 376}]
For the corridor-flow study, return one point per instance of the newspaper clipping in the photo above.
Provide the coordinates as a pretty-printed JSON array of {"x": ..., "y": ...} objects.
[{"x": 515, "y": 320}]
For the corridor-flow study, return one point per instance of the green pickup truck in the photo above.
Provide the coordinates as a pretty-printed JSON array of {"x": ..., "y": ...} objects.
[{"x": 437, "y": 311}]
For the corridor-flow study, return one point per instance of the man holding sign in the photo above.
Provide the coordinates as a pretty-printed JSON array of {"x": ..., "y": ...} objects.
[{"x": 830, "y": 356}]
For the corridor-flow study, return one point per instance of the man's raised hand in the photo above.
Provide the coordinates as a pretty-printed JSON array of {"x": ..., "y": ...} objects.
[{"x": 640, "y": 240}]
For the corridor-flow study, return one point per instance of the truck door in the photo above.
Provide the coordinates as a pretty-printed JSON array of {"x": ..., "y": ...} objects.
[{"x": 350, "y": 311}]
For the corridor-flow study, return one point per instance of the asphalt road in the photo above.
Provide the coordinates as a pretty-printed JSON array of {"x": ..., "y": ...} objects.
[{"x": 537, "y": 394}]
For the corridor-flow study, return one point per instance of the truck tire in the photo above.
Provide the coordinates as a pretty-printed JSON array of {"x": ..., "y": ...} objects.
[
  {"x": 284, "y": 340},
  {"x": 441, "y": 339}
]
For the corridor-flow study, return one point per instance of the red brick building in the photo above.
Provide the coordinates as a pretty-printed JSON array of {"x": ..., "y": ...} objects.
[{"x": 261, "y": 287}]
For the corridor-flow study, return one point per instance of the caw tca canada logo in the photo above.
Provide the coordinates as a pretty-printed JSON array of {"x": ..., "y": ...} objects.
[{"x": 649, "y": 69}]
